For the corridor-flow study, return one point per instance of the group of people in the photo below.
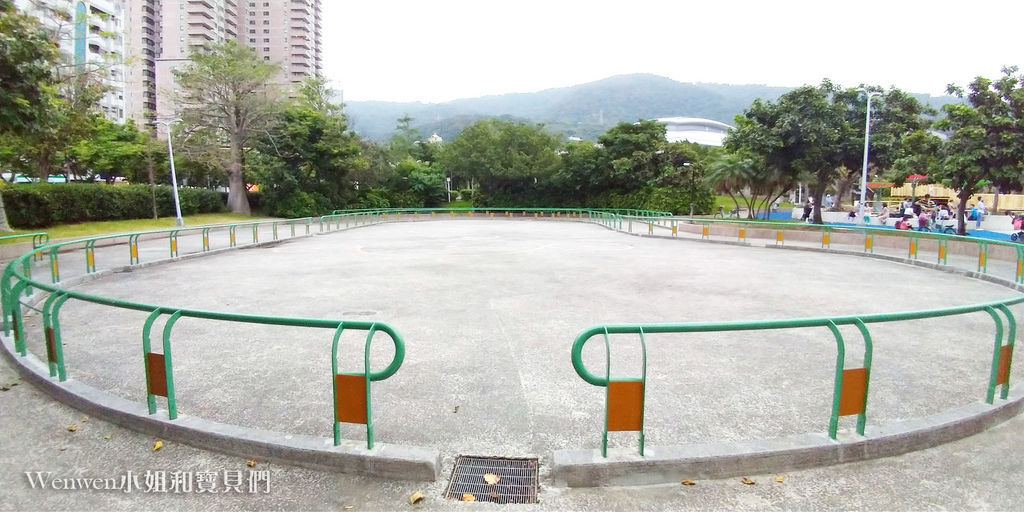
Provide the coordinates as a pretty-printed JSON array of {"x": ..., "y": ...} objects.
[{"x": 925, "y": 215}]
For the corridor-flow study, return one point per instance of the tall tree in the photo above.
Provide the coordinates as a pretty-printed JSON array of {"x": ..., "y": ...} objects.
[
  {"x": 226, "y": 91},
  {"x": 816, "y": 132},
  {"x": 303, "y": 159},
  {"x": 26, "y": 60},
  {"x": 506, "y": 158},
  {"x": 633, "y": 150},
  {"x": 986, "y": 136}
]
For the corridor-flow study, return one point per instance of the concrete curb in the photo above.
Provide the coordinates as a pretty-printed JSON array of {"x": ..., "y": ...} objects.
[
  {"x": 586, "y": 468},
  {"x": 385, "y": 460}
]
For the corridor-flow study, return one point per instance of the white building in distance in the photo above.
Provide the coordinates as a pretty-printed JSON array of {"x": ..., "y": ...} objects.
[
  {"x": 90, "y": 34},
  {"x": 694, "y": 129}
]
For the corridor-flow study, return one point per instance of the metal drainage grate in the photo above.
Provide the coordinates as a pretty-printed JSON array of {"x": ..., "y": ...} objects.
[{"x": 517, "y": 483}]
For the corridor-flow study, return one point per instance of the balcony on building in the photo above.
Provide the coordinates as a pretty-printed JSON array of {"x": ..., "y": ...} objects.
[{"x": 199, "y": 4}]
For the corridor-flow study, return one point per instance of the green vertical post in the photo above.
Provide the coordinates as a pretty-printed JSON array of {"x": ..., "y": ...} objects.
[
  {"x": 16, "y": 320},
  {"x": 868, "y": 350},
  {"x": 837, "y": 388},
  {"x": 54, "y": 266},
  {"x": 991, "y": 393}
]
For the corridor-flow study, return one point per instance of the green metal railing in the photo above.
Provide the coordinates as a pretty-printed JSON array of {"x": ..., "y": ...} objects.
[
  {"x": 848, "y": 399},
  {"x": 625, "y": 396},
  {"x": 158, "y": 366},
  {"x": 850, "y": 386},
  {"x": 870, "y": 235}
]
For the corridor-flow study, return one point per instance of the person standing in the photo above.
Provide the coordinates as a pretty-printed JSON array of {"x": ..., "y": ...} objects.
[{"x": 981, "y": 213}]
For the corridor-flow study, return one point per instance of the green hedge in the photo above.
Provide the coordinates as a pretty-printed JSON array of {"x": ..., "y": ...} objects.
[{"x": 40, "y": 205}]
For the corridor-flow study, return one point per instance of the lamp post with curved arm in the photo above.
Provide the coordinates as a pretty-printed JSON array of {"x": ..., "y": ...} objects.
[
  {"x": 867, "y": 145},
  {"x": 174, "y": 179}
]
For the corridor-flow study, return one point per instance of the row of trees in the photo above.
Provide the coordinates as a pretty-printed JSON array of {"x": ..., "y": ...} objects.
[
  {"x": 239, "y": 128},
  {"x": 815, "y": 135}
]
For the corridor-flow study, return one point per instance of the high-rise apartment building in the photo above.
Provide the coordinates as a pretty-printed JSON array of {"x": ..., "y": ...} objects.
[
  {"x": 187, "y": 26},
  {"x": 90, "y": 35},
  {"x": 138, "y": 43},
  {"x": 142, "y": 46},
  {"x": 287, "y": 32}
]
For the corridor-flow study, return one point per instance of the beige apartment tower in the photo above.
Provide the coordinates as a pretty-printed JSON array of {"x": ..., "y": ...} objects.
[
  {"x": 164, "y": 33},
  {"x": 286, "y": 32}
]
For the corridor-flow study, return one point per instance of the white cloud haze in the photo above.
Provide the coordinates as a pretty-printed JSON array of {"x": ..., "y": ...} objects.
[{"x": 441, "y": 50}]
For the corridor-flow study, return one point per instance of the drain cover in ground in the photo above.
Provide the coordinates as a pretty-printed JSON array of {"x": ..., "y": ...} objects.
[{"x": 517, "y": 479}]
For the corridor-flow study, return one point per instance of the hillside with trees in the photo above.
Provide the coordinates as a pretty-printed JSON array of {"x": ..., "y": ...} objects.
[{"x": 585, "y": 110}]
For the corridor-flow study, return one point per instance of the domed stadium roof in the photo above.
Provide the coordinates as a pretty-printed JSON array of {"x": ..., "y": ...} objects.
[{"x": 694, "y": 129}]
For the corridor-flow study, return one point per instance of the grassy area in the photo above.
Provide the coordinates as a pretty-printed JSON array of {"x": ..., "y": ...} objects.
[
  {"x": 121, "y": 226},
  {"x": 459, "y": 204}
]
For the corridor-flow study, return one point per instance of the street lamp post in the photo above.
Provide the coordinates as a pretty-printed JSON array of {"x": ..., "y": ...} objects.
[
  {"x": 174, "y": 179},
  {"x": 448, "y": 187},
  {"x": 864, "y": 173}
]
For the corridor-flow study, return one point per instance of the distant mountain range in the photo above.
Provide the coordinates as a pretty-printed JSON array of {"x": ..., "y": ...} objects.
[{"x": 585, "y": 110}]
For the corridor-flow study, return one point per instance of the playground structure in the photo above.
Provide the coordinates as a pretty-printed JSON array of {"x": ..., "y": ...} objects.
[{"x": 625, "y": 397}]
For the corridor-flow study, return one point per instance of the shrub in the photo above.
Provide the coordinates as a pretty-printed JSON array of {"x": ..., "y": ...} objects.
[{"x": 40, "y": 205}]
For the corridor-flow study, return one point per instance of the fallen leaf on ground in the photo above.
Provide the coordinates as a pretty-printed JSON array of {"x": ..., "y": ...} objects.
[
  {"x": 72, "y": 427},
  {"x": 456, "y": 410},
  {"x": 468, "y": 497},
  {"x": 689, "y": 482},
  {"x": 747, "y": 481},
  {"x": 349, "y": 507},
  {"x": 415, "y": 498},
  {"x": 491, "y": 478},
  {"x": 108, "y": 436},
  {"x": 780, "y": 479},
  {"x": 85, "y": 419},
  {"x": 157, "y": 445},
  {"x": 8, "y": 386},
  {"x": 251, "y": 463},
  {"x": 62, "y": 448},
  {"x": 494, "y": 495}
]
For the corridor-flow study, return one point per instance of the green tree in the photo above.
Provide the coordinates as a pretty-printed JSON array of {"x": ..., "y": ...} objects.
[
  {"x": 816, "y": 132},
  {"x": 111, "y": 151},
  {"x": 226, "y": 91},
  {"x": 27, "y": 59},
  {"x": 303, "y": 160},
  {"x": 632, "y": 152},
  {"x": 507, "y": 159},
  {"x": 986, "y": 137}
]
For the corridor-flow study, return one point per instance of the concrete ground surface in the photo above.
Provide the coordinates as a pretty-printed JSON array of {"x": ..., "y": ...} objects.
[
  {"x": 488, "y": 309},
  {"x": 982, "y": 472}
]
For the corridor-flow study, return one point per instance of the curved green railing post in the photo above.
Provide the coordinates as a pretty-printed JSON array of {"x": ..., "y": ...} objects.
[
  {"x": 1020, "y": 264},
  {"x": 990, "y": 395},
  {"x": 51, "y": 326},
  {"x": 172, "y": 240},
  {"x": 206, "y": 239},
  {"x": 837, "y": 388},
  {"x": 172, "y": 407},
  {"x": 154, "y": 363},
  {"x": 1002, "y": 355},
  {"x": 16, "y": 319},
  {"x": 54, "y": 265},
  {"x": 982, "y": 256},
  {"x": 868, "y": 350},
  {"x": 133, "y": 249},
  {"x": 341, "y": 379},
  {"x": 90, "y": 256},
  {"x": 1011, "y": 339}
]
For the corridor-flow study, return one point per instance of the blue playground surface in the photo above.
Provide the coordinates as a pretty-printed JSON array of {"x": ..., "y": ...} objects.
[{"x": 980, "y": 233}]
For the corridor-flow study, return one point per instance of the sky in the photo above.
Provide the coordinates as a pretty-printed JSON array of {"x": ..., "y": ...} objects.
[{"x": 435, "y": 51}]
